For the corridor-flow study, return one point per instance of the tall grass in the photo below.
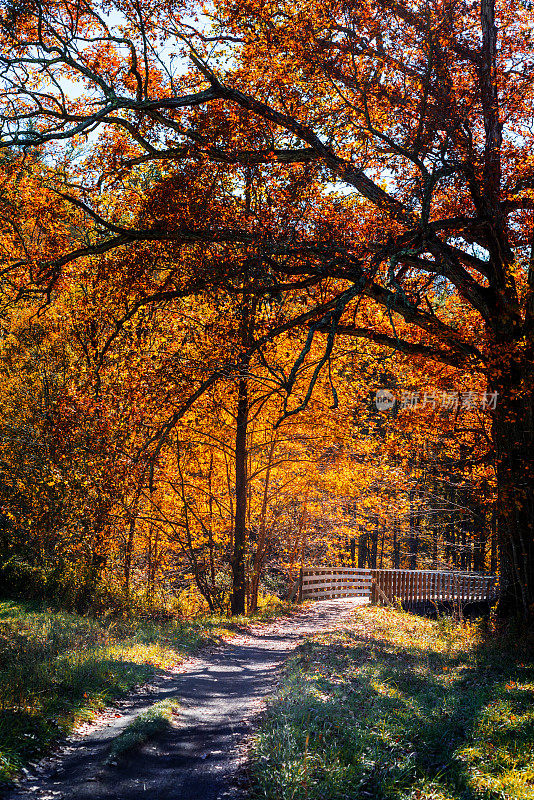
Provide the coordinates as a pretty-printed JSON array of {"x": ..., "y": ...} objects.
[
  {"x": 395, "y": 707},
  {"x": 144, "y": 726},
  {"x": 57, "y": 669}
]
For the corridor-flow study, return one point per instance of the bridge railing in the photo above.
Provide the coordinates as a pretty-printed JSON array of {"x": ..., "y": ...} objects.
[
  {"x": 384, "y": 586},
  {"x": 327, "y": 583},
  {"x": 413, "y": 586}
]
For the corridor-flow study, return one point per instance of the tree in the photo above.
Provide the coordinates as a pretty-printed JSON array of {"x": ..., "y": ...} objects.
[{"x": 421, "y": 112}]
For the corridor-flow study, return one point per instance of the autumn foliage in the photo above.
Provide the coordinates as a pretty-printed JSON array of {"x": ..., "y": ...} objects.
[{"x": 226, "y": 226}]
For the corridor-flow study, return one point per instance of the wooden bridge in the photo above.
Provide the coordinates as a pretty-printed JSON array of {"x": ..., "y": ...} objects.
[{"x": 385, "y": 586}]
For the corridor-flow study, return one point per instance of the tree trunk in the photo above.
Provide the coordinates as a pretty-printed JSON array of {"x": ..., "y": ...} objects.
[
  {"x": 362, "y": 551},
  {"x": 95, "y": 567},
  {"x": 238, "y": 556},
  {"x": 149, "y": 567},
  {"x": 261, "y": 545},
  {"x": 128, "y": 556},
  {"x": 210, "y": 530},
  {"x": 513, "y": 438},
  {"x": 463, "y": 547},
  {"x": 435, "y": 541},
  {"x": 382, "y": 542},
  {"x": 494, "y": 542},
  {"x": 479, "y": 542},
  {"x": 396, "y": 545},
  {"x": 414, "y": 531},
  {"x": 352, "y": 551},
  {"x": 374, "y": 545},
  {"x": 299, "y": 541}
]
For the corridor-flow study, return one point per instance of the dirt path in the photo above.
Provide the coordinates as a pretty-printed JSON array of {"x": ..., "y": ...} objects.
[{"x": 220, "y": 695}]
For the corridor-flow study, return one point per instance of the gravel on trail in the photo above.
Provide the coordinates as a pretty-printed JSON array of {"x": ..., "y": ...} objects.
[{"x": 201, "y": 756}]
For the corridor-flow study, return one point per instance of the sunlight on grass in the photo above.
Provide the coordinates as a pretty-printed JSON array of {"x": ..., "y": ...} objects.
[
  {"x": 57, "y": 669},
  {"x": 145, "y": 726},
  {"x": 396, "y": 707}
]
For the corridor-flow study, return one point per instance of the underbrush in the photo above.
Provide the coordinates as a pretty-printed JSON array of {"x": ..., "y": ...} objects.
[
  {"x": 58, "y": 668},
  {"x": 397, "y": 707}
]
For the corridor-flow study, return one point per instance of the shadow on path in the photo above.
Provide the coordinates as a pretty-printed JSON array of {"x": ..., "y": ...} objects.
[{"x": 220, "y": 695}]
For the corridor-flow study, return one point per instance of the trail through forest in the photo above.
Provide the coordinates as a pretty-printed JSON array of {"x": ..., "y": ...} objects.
[{"x": 201, "y": 755}]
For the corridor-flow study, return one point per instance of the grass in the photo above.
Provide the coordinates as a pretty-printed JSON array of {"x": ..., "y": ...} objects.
[
  {"x": 144, "y": 727},
  {"x": 397, "y": 707},
  {"x": 57, "y": 669}
]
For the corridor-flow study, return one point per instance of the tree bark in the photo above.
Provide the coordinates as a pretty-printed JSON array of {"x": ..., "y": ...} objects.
[
  {"x": 464, "y": 561},
  {"x": 362, "y": 550},
  {"x": 261, "y": 545},
  {"x": 374, "y": 544},
  {"x": 210, "y": 531},
  {"x": 240, "y": 535},
  {"x": 396, "y": 545},
  {"x": 494, "y": 542},
  {"x": 300, "y": 538},
  {"x": 414, "y": 531},
  {"x": 513, "y": 438},
  {"x": 239, "y": 584},
  {"x": 479, "y": 541},
  {"x": 128, "y": 555}
]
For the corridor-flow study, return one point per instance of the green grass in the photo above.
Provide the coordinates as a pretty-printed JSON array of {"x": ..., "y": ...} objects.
[
  {"x": 57, "y": 669},
  {"x": 396, "y": 707},
  {"x": 144, "y": 727}
]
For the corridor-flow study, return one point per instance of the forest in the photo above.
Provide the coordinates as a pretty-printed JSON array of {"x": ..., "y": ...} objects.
[
  {"x": 266, "y": 399},
  {"x": 267, "y": 297}
]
